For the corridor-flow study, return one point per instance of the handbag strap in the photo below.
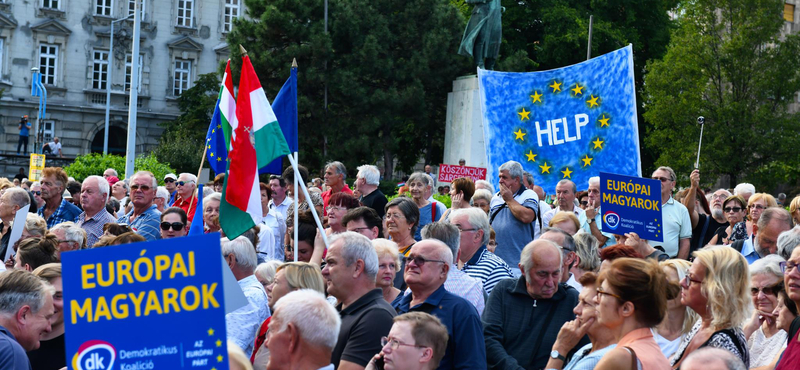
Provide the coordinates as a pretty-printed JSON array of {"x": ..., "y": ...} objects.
[{"x": 634, "y": 359}]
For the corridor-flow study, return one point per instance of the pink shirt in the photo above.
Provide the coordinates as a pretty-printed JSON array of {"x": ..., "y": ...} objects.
[{"x": 647, "y": 351}]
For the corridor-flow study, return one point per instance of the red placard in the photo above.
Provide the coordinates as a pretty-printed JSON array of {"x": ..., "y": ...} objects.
[{"x": 450, "y": 172}]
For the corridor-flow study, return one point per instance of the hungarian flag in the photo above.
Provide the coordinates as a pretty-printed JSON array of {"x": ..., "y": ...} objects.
[
  {"x": 257, "y": 140},
  {"x": 218, "y": 137}
]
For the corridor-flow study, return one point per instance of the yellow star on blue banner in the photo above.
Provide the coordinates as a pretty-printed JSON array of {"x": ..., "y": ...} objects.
[
  {"x": 524, "y": 115},
  {"x": 603, "y": 121},
  {"x": 556, "y": 86},
  {"x": 578, "y": 89},
  {"x": 519, "y": 135},
  {"x": 567, "y": 173},
  {"x": 587, "y": 161},
  {"x": 592, "y": 102},
  {"x": 545, "y": 168},
  {"x": 536, "y": 97},
  {"x": 531, "y": 156}
]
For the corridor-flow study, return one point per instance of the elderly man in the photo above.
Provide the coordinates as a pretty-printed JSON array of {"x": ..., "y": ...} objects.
[
  {"x": 534, "y": 303},
  {"x": 429, "y": 172},
  {"x": 569, "y": 258},
  {"x": 764, "y": 241},
  {"x": 788, "y": 241},
  {"x": 416, "y": 342},
  {"x": 350, "y": 271},
  {"x": 745, "y": 190},
  {"x": 279, "y": 202},
  {"x": 367, "y": 181},
  {"x": 56, "y": 209},
  {"x": 591, "y": 221},
  {"x": 70, "y": 237},
  {"x": 170, "y": 183},
  {"x": 565, "y": 194},
  {"x": 335, "y": 173},
  {"x": 110, "y": 172},
  {"x": 425, "y": 274},
  {"x": 712, "y": 358},
  {"x": 676, "y": 223},
  {"x": 144, "y": 218},
  {"x": 10, "y": 202},
  {"x": 458, "y": 282},
  {"x": 24, "y": 316},
  {"x": 242, "y": 324},
  {"x": 473, "y": 257},
  {"x": 363, "y": 220},
  {"x": 94, "y": 195},
  {"x": 704, "y": 226},
  {"x": 483, "y": 184},
  {"x": 513, "y": 214},
  {"x": 187, "y": 195},
  {"x": 303, "y": 332},
  {"x": 162, "y": 199}
]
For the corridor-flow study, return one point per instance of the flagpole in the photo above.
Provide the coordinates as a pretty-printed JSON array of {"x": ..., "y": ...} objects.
[
  {"x": 202, "y": 161},
  {"x": 308, "y": 199},
  {"x": 296, "y": 205}
]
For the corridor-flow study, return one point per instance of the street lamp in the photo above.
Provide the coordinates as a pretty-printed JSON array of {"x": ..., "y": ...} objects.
[{"x": 108, "y": 78}]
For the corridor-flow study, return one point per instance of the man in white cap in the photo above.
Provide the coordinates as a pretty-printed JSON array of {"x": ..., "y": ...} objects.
[{"x": 172, "y": 188}]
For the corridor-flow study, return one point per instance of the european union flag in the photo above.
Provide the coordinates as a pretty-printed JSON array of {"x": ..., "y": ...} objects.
[
  {"x": 216, "y": 145},
  {"x": 285, "y": 108},
  {"x": 566, "y": 123}
]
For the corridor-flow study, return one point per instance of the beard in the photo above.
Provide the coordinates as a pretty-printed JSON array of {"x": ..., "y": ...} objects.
[
  {"x": 762, "y": 252},
  {"x": 717, "y": 213}
]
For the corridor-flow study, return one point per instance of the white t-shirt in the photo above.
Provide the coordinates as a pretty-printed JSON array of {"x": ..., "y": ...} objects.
[{"x": 54, "y": 146}]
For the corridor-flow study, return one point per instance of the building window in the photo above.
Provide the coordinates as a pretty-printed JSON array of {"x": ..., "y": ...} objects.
[
  {"x": 231, "y": 12},
  {"x": 2, "y": 44},
  {"x": 48, "y": 63},
  {"x": 48, "y": 130},
  {"x": 103, "y": 7},
  {"x": 788, "y": 12},
  {"x": 100, "y": 70},
  {"x": 183, "y": 75},
  {"x": 128, "y": 61},
  {"x": 51, "y": 4},
  {"x": 132, "y": 5},
  {"x": 185, "y": 13}
]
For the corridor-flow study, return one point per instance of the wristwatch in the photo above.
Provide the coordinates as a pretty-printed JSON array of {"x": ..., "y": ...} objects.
[
  {"x": 590, "y": 220},
  {"x": 557, "y": 356}
]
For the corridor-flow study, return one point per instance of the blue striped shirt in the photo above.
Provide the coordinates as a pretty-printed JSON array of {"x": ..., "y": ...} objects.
[
  {"x": 146, "y": 224},
  {"x": 66, "y": 212},
  {"x": 486, "y": 267}
]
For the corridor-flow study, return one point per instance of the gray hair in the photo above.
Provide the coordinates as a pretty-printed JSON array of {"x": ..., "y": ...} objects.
[
  {"x": 569, "y": 241},
  {"x": 358, "y": 247},
  {"x": 594, "y": 180},
  {"x": 370, "y": 174},
  {"x": 267, "y": 270},
  {"x": 568, "y": 182},
  {"x": 18, "y": 196},
  {"x": 143, "y": 173},
  {"x": 102, "y": 184},
  {"x": 316, "y": 320},
  {"x": 22, "y": 288},
  {"x": 481, "y": 194},
  {"x": 477, "y": 218},
  {"x": 788, "y": 241},
  {"x": 421, "y": 177},
  {"x": 528, "y": 177},
  {"x": 339, "y": 167},
  {"x": 767, "y": 265},
  {"x": 514, "y": 169},
  {"x": 486, "y": 184},
  {"x": 113, "y": 172},
  {"x": 445, "y": 233},
  {"x": 705, "y": 356},
  {"x": 586, "y": 249},
  {"x": 214, "y": 196},
  {"x": 408, "y": 208},
  {"x": 526, "y": 257},
  {"x": 774, "y": 213},
  {"x": 744, "y": 188},
  {"x": 162, "y": 193},
  {"x": 72, "y": 232},
  {"x": 670, "y": 171},
  {"x": 244, "y": 252}
]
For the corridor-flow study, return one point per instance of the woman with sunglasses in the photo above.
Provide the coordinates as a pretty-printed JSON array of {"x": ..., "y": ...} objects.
[
  {"x": 734, "y": 208},
  {"x": 757, "y": 203},
  {"x": 765, "y": 338},
  {"x": 717, "y": 289},
  {"x": 173, "y": 223}
]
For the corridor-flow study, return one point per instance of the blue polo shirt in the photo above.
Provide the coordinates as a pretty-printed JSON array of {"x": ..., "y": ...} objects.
[
  {"x": 466, "y": 348},
  {"x": 749, "y": 251},
  {"x": 12, "y": 355}
]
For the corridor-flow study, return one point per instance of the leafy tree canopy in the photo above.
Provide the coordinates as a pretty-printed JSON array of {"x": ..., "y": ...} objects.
[{"x": 95, "y": 164}]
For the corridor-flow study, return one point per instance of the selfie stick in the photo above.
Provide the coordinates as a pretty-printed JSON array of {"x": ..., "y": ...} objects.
[{"x": 702, "y": 121}]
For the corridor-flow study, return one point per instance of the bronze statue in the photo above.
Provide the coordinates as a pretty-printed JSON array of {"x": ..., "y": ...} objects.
[{"x": 484, "y": 31}]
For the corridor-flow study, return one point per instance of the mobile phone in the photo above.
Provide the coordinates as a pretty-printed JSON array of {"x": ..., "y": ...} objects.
[{"x": 379, "y": 363}]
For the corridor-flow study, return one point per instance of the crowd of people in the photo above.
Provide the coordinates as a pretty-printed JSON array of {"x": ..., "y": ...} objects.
[{"x": 499, "y": 280}]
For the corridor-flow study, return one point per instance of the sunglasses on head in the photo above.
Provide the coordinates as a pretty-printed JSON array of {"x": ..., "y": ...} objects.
[{"x": 177, "y": 226}]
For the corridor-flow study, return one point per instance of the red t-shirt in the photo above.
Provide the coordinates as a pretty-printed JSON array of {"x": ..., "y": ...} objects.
[
  {"x": 327, "y": 195},
  {"x": 791, "y": 355}
]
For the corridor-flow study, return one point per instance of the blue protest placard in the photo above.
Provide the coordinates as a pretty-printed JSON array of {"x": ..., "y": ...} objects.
[
  {"x": 631, "y": 204},
  {"x": 142, "y": 306}
]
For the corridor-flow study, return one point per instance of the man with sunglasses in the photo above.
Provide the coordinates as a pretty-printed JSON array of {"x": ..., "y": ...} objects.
[
  {"x": 170, "y": 184},
  {"x": 187, "y": 197},
  {"x": 675, "y": 220},
  {"x": 144, "y": 218},
  {"x": 425, "y": 273},
  {"x": 94, "y": 195}
]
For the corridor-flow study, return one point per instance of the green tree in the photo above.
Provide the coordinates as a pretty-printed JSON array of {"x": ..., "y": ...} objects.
[
  {"x": 181, "y": 144},
  {"x": 729, "y": 63},
  {"x": 96, "y": 164}
]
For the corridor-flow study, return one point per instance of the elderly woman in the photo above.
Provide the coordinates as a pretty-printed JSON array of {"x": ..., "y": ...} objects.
[
  {"x": 764, "y": 336},
  {"x": 211, "y": 212},
  {"x": 757, "y": 203},
  {"x": 566, "y": 221},
  {"x": 388, "y": 266},
  {"x": 631, "y": 298},
  {"x": 265, "y": 272},
  {"x": 289, "y": 277},
  {"x": 401, "y": 221},
  {"x": 461, "y": 193},
  {"x": 481, "y": 199},
  {"x": 173, "y": 223},
  {"x": 679, "y": 319},
  {"x": 419, "y": 184},
  {"x": 716, "y": 288},
  {"x": 338, "y": 204},
  {"x": 734, "y": 208}
]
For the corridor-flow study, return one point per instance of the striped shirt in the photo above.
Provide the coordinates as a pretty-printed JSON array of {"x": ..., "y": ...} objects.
[
  {"x": 146, "y": 224},
  {"x": 487, "y": 268},
  {"x": 66, "y": 212},
  {"x": 94, "y": 225}
]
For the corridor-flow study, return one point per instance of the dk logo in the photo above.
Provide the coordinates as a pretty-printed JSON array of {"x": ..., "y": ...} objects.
[{"x": 94, "y": 355}]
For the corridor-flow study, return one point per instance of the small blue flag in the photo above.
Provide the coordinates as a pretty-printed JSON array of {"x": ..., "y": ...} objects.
[
  {"x": 285, "y": 108},
  {"x": 198, "y": 224},
  {"x": 216, "y": 148}
]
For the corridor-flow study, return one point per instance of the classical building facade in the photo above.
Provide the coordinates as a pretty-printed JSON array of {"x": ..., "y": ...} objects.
[{"x": 68, "y": 40}]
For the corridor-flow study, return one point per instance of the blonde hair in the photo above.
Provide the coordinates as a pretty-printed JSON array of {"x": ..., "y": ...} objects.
[
  {"x": 35, "y": 224},
  {"x": 564, "y": 216},
  {"x": 681, "y": 267},
  {"x": 386, "y": 247},
  {"x": 302, "y": 275},
  {"x": 726, "y": 285},
  {"x": 48, "y": 271},
  {"x": 767, "y": 198},
  {"x": 237, "y": 358},
  {"x": 793, "y": 207}
]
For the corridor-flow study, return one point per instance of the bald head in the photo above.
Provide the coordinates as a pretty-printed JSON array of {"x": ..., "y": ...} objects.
[
  {"x": 541, "y": 264},
  {"x": 435, "y": 248},
  {"x": 710, "y": 358}
]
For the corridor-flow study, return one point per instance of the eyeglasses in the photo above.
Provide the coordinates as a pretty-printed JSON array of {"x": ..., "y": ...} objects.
[
  {"x": 688, "y": 280},
  {"x": 335, "y": 208},
  {"x": 602, "y": 292},
  {"x": 662, "y": 179},
  {"x": 135, "y": 187},
  {"x": 177, "y": 226},
  {"x": 38, "y": 192},
  {"x": 168, "y": 180},
  {"x": 63, "y": 241},
  {"x": 734, "y": 209},
  {"x": 394, "y": 343},
  {"x": 463, "y": 230},
  {"x": 394, "y": 216},
  {"x": 182, "y": 183},
  {"x": 757, "y": 206},
  {"x": 358, "y": 229},
  {"x": 492, "y": 243},
  {"x": 787, "y": 266},
  {"x": 767, "y": 290},
  {"x": 420, "y": 261}
]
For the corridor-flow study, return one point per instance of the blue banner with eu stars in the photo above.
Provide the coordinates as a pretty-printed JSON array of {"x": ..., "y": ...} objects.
[
  {"x": 631, "y": 204},
  {"x": 149, "y": 305},
  {"x": 566, "y": 123}
]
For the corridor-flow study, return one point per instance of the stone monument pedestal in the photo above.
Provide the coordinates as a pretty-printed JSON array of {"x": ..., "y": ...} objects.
[{"x": 463, "y": 136}]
